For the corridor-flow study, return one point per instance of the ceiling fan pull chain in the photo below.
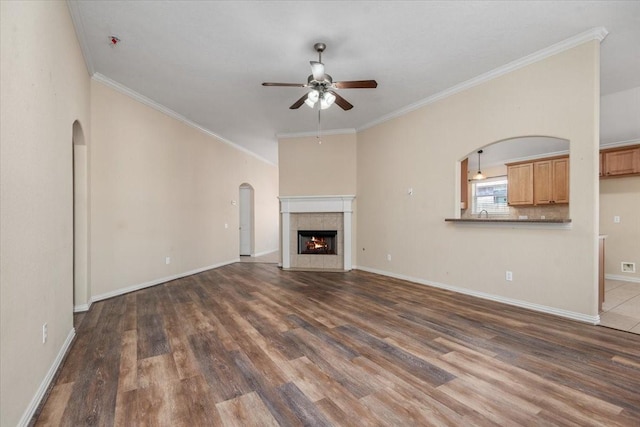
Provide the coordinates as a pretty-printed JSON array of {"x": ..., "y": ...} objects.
[{"x": 318, "y": 135}]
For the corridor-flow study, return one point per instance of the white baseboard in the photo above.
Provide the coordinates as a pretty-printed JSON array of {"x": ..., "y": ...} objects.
[
  {"x": 594, "y": 320},
  {"x": 44, "y": 385},
  {"x": 81, "y": 308},
  {"x": 265, "y": 252},
  {"x": 134, "y": 288},
  {"x": 622, "y": 278}
]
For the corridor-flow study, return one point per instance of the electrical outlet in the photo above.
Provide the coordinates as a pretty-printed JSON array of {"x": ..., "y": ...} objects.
[
  {"x": 616, "y": 219},
  {"x": 226, "y": 225},
  {"x": 388, "y": 257},
  {"x": 509, "y": 276},
  {"x": 167, "y": 260},
  {"x": 45, "y": 333},
  {"x": 628, "y": 267}
]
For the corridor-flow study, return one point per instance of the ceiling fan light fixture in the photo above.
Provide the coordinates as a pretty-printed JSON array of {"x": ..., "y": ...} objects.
[
  {"x": 327, "y": 100},
  {"x": 312, "y": 98},
  {"x": 322, "y": 86}
]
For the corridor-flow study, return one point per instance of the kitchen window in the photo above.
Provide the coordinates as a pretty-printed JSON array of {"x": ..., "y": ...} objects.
[{"x": 491, "y": 195}]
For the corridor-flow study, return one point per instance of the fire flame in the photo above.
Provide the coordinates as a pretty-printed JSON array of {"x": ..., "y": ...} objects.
[{"x": 317, "y": 243}]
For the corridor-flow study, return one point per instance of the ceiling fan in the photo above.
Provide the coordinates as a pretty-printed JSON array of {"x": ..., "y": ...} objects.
[{"x": 322, "y": 87}]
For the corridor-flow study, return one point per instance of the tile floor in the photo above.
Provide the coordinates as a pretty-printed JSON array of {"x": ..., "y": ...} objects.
[{"x": 621, "y": 307}]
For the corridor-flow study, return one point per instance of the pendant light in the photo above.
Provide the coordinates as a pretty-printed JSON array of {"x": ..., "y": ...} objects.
[{"x": 479, "y": 176}]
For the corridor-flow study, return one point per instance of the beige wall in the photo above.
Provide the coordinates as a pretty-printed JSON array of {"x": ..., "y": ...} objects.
[
  {"x": 619, "y": 114},
  {"x": 161, "y": 188},
  {"x": 45, "y": 88},
  {"x": 621, "y": 197},
  {"x": 308, "y": 168},
  {"x": 552, "y": 268}
]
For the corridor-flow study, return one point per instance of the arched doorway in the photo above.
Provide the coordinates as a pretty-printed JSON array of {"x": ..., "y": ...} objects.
[
  {"x": 80, "y": 220},
  {"x": 246, "y": 220}
]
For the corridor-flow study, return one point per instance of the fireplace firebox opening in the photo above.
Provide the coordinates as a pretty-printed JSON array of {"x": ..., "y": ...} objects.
[{"x": 317, "y": 242}]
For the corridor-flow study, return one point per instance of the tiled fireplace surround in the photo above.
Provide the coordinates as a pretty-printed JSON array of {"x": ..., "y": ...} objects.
[{"x": 316, "y": 213}]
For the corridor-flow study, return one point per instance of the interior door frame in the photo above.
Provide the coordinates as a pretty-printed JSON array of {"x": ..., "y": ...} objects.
[{"x": 246, "y": 208}]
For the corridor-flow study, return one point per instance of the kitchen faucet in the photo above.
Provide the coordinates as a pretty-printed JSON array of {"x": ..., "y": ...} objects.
[{"x": 485, "y": 211}]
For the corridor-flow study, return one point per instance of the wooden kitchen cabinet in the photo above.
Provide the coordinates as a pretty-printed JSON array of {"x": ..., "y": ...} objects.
[
  {"x": 520, "y": 184},
  {"x": 551, "y": 181},
  {"x": 540, "y": 182},
  {"x": 464, "y": 184},
  {"x": 601, "y": 163},
  {"x": 617, "y": 162}
]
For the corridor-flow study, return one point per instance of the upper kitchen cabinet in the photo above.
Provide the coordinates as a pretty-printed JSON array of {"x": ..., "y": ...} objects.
[
  {"x": 520, "y": 184},
  {"x": 539, "y": 182},
  {"x": 620, "y": 161},
  {"x": 551, "y": 181}
]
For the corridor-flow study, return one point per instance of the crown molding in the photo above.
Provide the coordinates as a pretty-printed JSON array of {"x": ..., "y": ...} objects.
[
  {"x": 159, "y": 107},
  {"x": 81, "y": 35},
  {"x": 619, "y": 143},
  {"x": 598, "y": 33},
  {"x": 347, "y": 131}
]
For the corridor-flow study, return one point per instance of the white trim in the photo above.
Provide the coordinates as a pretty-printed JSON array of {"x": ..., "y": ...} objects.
[
  {"x": 81, "y": 308},
  {"x": 270, "y": 251},
  {"x": 598, "y": 33},
  {"x": 316, "y": 204},
  {"x": 81, "y": 35},
  {"x": 527, "y": 158},
  {"x": 622, "y": 278},
  {"x": 156, "y": 106},
  {"x": 150, "y": 283},
  {"x": 315, "y": 133},
  {"x": 594, "y": 320},
  {"x": 619, "y": 144},
  {"x": 46, "y": 382}
]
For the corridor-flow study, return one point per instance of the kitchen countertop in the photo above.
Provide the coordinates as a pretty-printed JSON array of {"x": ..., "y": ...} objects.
[{"x": 511, "y": 220}]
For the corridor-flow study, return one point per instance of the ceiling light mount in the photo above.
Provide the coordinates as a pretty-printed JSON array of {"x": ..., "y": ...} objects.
[{"x": 319, "y": 47}]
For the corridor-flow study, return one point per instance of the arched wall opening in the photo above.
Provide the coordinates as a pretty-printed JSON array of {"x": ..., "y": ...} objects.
[
  {"x": 518, "y": 178},
  {"x": 81, "y": 291}
]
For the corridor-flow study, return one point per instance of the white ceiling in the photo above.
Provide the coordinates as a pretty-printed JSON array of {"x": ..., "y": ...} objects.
[{"x": 206, "y": 60}]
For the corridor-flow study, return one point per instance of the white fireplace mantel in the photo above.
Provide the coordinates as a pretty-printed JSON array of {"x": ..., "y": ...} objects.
[{"x": 316, "y": 204}]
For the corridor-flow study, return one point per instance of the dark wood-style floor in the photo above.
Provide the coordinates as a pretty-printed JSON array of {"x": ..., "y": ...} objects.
[{"x": 249, "y": 344}]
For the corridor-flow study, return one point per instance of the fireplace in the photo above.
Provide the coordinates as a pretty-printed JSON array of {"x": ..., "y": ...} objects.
[
  {"x": 317, "y": 242},
  {"x": 316, "y": 232}
]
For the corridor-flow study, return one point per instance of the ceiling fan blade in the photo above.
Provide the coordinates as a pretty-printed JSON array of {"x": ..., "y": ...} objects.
[
  {"x": 343, "y": 103},
  {"x": 317, "y": 69},
  {"x": 285, "y": 84},
  {"x": 356, "y": 84},
  {"x": 299, "y": 102}
]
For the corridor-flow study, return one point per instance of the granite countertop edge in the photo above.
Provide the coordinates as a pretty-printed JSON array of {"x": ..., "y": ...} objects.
[{"x": 511, "y": 220}]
